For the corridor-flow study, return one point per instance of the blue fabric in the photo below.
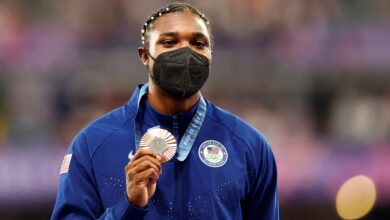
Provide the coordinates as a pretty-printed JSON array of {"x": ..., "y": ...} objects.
[{"x": 243, "y": 188}]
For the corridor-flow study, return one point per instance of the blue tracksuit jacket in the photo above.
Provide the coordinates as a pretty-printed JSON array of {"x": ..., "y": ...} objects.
[{"x": 242, "y": 186}]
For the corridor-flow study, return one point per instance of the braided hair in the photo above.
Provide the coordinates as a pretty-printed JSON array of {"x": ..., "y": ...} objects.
[{"x": 171, "y": 7}]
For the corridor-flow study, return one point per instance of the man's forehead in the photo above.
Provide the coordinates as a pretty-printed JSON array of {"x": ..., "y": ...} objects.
[{"x": 179, "y": 22}]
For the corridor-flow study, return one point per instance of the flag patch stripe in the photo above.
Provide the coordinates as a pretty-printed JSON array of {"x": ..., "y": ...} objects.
[{"x": 65, "y": 164}]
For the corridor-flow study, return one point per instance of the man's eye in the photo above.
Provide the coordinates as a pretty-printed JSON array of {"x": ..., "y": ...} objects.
[
  {"x": 169, "y": 43},
  {"x": 200, "y": 44}
]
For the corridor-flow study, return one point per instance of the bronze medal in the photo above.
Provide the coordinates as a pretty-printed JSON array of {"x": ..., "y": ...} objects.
[{"x": 161, "y": 141}]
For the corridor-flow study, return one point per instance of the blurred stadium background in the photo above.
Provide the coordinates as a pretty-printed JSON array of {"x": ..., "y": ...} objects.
[{"x": 312, "y": 75}]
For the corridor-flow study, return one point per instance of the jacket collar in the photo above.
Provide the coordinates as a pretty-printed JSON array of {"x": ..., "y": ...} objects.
[{"x": 165, "y": 120}]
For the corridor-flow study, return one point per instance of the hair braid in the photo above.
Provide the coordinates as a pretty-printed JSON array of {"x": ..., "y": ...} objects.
[{"x": 171, "y": 7}]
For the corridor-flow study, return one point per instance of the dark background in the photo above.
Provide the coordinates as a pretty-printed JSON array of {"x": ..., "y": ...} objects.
[{"x": 312, "y": 75}]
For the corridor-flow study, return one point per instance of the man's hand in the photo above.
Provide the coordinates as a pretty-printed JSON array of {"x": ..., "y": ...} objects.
[{"x": 142, "y": 173}]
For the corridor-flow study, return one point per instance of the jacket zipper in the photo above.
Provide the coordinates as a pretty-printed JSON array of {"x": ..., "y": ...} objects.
[
  {"x": 179, "y": 191},
  {"x": 178, "y": 170}
]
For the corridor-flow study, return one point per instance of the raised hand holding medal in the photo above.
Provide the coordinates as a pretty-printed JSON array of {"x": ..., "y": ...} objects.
[{"x": 144, "y": 170}]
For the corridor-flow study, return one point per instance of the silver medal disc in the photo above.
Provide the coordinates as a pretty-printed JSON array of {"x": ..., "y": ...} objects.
[{"x": 160, "y": 141}]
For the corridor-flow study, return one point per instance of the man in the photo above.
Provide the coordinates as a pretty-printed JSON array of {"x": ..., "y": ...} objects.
[{"x": 223, "y": 168}]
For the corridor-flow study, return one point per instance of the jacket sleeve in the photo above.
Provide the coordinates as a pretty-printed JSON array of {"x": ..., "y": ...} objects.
[
  {"x": 262, "y": 202},
  {"x": 78, "y": 196}
]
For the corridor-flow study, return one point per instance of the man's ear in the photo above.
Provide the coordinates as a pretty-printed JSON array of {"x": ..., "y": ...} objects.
[{"x": 143, "y": 55}]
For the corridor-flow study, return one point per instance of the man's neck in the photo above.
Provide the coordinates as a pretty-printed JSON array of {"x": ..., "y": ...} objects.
[{"x": 165, "y": 104}]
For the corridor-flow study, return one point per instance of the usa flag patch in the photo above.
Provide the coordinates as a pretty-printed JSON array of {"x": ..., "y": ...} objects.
[{"x": 65, "y": 164}]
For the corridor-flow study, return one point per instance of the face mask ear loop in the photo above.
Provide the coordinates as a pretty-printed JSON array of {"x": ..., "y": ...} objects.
[
  {"x": 152, "y": 73},
  {"x": 147, "y": 51}
]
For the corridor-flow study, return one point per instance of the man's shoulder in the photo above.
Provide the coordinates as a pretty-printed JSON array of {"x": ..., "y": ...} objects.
[
  {"x": 236, "y": 125},
  {"x": 94, "y": 133},
  {"x": 242, "y": 134},
  {"x": 108, "y": 122}
]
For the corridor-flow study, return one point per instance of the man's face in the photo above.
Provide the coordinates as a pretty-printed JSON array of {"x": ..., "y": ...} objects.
[{"x": 176, "y": 30}]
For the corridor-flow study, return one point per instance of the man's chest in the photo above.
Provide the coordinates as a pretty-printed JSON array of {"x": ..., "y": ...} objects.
[{"x": 214, "y": 176}]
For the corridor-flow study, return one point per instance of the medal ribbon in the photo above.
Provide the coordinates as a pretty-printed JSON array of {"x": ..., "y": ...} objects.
[{"x": 190, "y": 134}]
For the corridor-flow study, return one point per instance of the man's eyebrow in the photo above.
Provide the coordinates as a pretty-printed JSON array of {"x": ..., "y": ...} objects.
[
  {"x": 199, "y": 35},
  {"x": 175, "y": 34},
  {"x": 169, "y": 34}
]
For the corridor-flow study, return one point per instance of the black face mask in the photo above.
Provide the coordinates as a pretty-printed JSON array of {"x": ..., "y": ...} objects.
[{"x": 181, "y": 72}]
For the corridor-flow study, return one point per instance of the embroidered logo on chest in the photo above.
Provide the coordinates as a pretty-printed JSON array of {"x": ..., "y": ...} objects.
[{"x": 213, "y": 154}]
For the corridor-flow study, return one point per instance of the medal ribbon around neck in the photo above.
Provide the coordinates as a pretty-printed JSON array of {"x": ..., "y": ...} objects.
[{"x": 190, "y": 134}]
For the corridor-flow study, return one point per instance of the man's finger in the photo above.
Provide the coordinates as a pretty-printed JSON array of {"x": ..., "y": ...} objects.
[
  {"x": 136, "y": 162},
  {"x": 144, "y": 165},
  {"x": 143, "y": 152},
  {"x": 146, "y": 176}
]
